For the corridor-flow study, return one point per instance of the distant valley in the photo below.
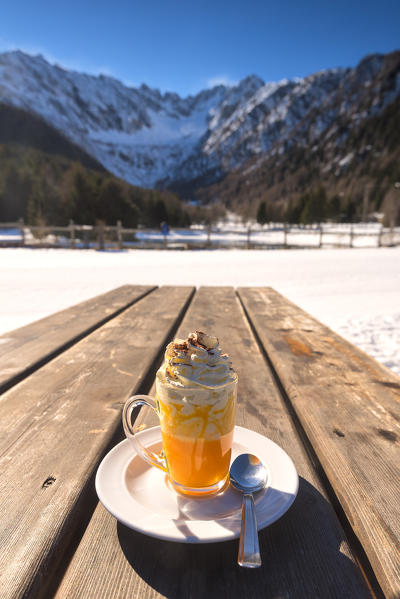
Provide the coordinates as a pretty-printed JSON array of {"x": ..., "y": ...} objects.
[{"x": 333, "y": 135}]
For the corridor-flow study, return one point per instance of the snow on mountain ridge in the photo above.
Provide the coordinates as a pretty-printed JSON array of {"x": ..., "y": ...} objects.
[
  {"x": 139, "y": 134},
  {"x": 147, "y": 137}
]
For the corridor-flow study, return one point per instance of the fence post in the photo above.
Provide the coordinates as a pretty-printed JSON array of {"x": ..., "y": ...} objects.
[
  {"x": 86, "y": 237},
  {"x": 393, "y": 214},
  {"x": 100, "y": 235},
  {"x": 208, "y": 235},
  {"x": 351, "y": 235},
  {"x": 119, "y": 235},
  {"x": 248, "y": 237},
  {"x": 71, "y": 234},
  {"x": 380, "y": 236},
  {"x": 285, "y": 235},
  {"x": 320, "y": 235},
  {"x": 22, "y": 229}
]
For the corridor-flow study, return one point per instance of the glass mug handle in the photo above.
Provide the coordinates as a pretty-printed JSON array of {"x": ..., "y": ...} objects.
[{"x": 151, "y": 457}]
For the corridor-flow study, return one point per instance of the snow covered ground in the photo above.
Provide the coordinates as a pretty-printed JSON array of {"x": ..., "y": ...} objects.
[
  {"x": 356, "y": 292},
  {"x": 231, "y": 235},
  {"x": 227, "y": 233}
]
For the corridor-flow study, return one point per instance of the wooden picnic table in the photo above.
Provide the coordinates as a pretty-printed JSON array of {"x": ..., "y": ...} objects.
[{"x": 332, "y": 408}]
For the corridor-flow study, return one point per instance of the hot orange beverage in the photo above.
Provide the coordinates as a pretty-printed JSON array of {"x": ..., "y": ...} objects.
[{"x": 196, "y": 401}]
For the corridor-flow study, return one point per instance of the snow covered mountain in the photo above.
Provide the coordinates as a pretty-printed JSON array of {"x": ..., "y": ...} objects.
[{"x": 152, "y": 139}]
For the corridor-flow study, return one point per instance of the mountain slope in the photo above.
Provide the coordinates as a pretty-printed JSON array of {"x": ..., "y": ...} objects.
[
  {"x": 21, "y": 127},
  {"x": 49, "y": 188},
  {"x": 197, "y": 145},
  {"x": 358, "y": 174},
  {"x": 138, "y": 134}
]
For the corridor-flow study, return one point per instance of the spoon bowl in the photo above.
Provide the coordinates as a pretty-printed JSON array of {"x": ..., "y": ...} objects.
[{"x": 249, "y": 475}]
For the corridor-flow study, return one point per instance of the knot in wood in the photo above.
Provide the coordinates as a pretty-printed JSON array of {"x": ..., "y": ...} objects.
[{"x": 49, "y": 481}]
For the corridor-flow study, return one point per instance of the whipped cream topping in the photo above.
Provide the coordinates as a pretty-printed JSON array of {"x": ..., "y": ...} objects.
[{"x": 196, "y": 361}]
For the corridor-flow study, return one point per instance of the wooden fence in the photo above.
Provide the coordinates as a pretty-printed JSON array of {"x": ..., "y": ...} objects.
[{"x": 102, "y": 237}]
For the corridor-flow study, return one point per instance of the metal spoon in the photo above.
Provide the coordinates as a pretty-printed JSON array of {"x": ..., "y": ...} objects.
[{"x": 248, "y": 474}]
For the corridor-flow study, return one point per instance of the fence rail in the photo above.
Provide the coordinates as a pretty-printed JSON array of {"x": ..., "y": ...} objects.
[{"x": 282, "y": 235}]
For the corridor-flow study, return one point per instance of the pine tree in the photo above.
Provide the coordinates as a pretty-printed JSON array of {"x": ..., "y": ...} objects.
[
  {"x": 333, "y": 208},
  {"x": 314, "y": 210},
  {"x": 262, "y": 213}
]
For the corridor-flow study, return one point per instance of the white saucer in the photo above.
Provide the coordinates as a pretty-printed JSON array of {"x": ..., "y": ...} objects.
[{"x": 138, "y": 495}]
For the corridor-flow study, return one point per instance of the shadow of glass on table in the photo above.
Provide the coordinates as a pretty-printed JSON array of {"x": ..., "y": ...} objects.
[
  {"x": 304, "y": 555},
  {"x": 226, "y": 507},
  {"x": 195, "y": 519}
]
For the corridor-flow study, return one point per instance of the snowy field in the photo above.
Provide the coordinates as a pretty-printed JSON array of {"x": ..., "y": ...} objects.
[
  {"x": 236, "y": 235},
  {"x": 228, "y": 234},
  {"x": 356, "y": 292}
]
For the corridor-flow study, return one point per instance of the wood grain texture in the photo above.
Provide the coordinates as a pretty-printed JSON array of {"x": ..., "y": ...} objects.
[
  {"x": 305, "y": 554},
  {"x": 349, "y": 408},
  {"x": 25, "y": 349},
  {"x": 56, "y": 426}
]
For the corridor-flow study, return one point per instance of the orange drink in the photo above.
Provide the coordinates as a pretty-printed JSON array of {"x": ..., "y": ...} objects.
[
  {"x": 197, "y": 462},
  {"x": 197, "y": 432},
  {"x": 196, "y": 402}
]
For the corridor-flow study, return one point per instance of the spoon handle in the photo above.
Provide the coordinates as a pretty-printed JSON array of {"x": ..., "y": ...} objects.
[{"x": 249, "y": 550}]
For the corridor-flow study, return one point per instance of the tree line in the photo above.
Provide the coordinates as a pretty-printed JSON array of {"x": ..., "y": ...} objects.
[
  {"x": 48, "y": 189},
  {"x": 312, "y": 207}
]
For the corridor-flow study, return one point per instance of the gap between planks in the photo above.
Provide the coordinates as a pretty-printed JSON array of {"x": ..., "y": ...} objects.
[
  {"x": 23, "y": 374},
  {"x": 355, "y": 544},
  {"x": 121, "y": 568},
  {"x": 89, "y": 499}
]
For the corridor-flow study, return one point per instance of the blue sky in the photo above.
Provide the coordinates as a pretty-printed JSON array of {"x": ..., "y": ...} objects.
[{"x": 186, "y": 46}]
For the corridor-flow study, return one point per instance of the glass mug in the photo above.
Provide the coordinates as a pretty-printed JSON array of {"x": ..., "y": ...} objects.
[{"x": 197, "y": 433}]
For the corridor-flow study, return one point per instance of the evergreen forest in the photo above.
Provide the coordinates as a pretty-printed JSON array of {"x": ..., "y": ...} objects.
[{"x": 50, "y": 189}]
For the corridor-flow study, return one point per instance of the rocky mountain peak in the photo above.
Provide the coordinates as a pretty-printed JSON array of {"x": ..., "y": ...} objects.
[{"x": 151, "y": 139}]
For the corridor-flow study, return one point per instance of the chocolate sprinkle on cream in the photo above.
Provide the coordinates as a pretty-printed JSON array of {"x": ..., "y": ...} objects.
[{"x": 196, "y": 361}]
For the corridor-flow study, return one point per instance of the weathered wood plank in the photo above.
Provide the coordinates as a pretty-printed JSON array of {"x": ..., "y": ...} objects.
[
  {"x": 57, "y": 424},
  {"x": 305, "y": 554},
  {"x": 25, "y": 349},
  {"x": 349, "y": 407}
]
